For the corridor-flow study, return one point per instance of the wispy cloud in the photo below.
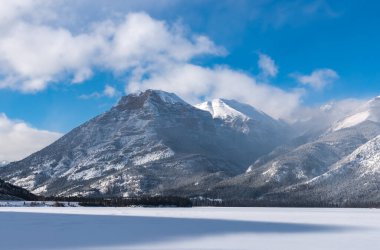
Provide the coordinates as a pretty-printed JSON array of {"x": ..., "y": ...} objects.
[
  {"x": 267, "y": 65},
  {"x": 109, "y": 91},
  {"x": 277, "y": 14},
  {"x": 318, "y": 79}
]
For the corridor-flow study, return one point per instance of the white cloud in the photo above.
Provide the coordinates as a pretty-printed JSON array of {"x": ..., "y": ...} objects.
[
  {"x": 82, "y": 75},
  {"x": 267, "y": 65},
  {"x": 33, "y": 55},
  {"x": 38, "y": 50},
  {"x": 11, "y": 10},
  {"x": 108, "y": 91},
  {"x": 322, "y": 117},
  {"x": 318, "y": 79},
  {"x": 18, "y": 140},
  {"x": 192, "y": 82},
  {"x": 141, "y": 41}
]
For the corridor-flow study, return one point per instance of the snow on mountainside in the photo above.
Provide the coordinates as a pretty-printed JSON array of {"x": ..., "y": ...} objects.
[
  {"x": 293, "y": 166},
  {"x": 153, "y": 142},
  {"x": 148, "y": 143},
  {"x": 370, "y": 111},
  {"x": 218, "y": 108},
  {"x": 248, "y": 120},
  {"x": 231, "y": 109},
  {"x": 355, "y": 178},
  {"x": 167, "y": 97},
  {"x": 365, "y": 160}
]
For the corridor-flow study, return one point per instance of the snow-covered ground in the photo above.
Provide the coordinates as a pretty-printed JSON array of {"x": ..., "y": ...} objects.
[{"x": 188, "y": 228}]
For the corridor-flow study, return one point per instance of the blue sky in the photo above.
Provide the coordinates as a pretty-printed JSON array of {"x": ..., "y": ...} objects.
[{"x": 63, "y": 62}]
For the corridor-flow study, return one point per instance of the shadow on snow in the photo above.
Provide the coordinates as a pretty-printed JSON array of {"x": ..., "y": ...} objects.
[{"x": 49, "y": 231}]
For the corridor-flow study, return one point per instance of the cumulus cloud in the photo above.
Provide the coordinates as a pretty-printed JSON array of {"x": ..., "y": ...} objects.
[
  {"x": 267, "y": 65},
  {"x": 13, "y": 10},
  {"x": 192, "y": 82},
  {"x": 36, "y": 52},
  {"x": 18, "y": 140},
  {"x": 318, "y": 79},
  {"x": 33, "y": 55}
]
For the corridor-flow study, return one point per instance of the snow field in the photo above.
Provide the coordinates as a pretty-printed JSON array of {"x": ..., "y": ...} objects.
[{"x": 188, "y": 228}]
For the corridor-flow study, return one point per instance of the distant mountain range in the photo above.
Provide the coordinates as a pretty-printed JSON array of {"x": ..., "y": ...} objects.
[{"x": 153, "y": 143}]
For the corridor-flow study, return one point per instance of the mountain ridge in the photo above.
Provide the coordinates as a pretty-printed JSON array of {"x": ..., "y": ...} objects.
[
  {"x": 11, "y": 192},
  {"x": 148, "y": 142},
  {"x": 154, "y": 143}
]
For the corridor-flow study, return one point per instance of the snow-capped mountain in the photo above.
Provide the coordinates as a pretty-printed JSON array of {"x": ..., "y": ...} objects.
[
  {"x": 221, "y": 108},
  {"x": 148, "y": 143},
  {"x": 355, "y": 178},
  {"x": 153, "y": 142},
  {"x": 232, "y": 112},
  {"x": 258, "y": 127},
  {"x": 294, "y": 164}
]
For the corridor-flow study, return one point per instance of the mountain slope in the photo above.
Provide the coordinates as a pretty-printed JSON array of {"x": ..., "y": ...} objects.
[
  {"x": 274, "y": 174},
  {"x": 232, "y": 111},
  {"x": 258, "y": 127},
  {"x": 293, "y": 166},
  {"x": 11, "y": 192},
  {"x": 354, "y": 179},
  {"x": 148, "y": 143},
  {"x": 370, "y": 111},
  {"x": 155, "y": 143}
]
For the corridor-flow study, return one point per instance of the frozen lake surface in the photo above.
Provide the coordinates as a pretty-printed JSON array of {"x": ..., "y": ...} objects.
[{"x": 189, "y": 228}]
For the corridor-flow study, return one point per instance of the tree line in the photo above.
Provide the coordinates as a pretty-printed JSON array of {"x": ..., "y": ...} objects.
[
  {"x": 283, "y": 203},
  {"x": 146, "y": 201}
]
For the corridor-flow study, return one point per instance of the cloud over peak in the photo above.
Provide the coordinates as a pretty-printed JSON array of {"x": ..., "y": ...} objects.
[
  {"x": 195, "y": 84},
  {"x": 39, "y": 50}
]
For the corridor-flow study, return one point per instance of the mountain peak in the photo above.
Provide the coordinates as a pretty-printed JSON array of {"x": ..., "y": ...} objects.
[
  {"x": 219, "y": 108},
  {"x": 139, "y": 99},
  {"x": 230, "y": 109}
]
